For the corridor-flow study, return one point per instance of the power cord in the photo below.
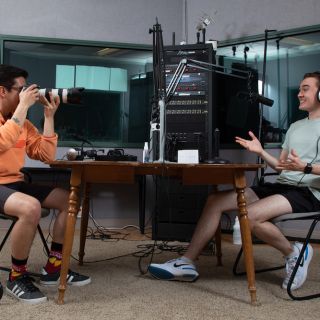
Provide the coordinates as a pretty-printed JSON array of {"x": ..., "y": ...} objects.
[{"x": 315, "y": 157}]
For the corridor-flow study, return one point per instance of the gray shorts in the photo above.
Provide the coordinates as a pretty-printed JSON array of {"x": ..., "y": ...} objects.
[{"x": 37, "y": 191}]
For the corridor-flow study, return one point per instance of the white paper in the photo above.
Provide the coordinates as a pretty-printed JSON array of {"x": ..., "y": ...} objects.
[{"x": 188, "y": 156}]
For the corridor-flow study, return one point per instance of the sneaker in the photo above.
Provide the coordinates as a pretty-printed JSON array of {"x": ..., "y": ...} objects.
[
  {"x": 24, "y": 290},
  {"x": 177, "y": 269},
  {"x": 302, "y": 271},
  {"x": 73, "y": 278}
]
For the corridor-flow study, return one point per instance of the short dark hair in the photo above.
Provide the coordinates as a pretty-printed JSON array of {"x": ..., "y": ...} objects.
[
  {"x": 9, "y": 73},
  {"x": 314, "y": 74}
]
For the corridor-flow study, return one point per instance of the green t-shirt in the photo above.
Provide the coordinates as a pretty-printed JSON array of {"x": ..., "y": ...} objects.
[{"x": 304, "y": 137}]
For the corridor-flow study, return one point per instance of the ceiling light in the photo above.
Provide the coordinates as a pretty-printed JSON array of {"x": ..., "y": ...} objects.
[{"x": 107, "y": 51}]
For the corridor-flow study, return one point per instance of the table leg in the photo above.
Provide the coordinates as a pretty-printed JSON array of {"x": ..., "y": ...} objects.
[
  {"x": 84, "y": 221},
  {"x": 142, "y": 203},
  {"x": 217, "y": 238},
  {"x": 75, "y": 182},
  {"x": 246, "y": 236}
]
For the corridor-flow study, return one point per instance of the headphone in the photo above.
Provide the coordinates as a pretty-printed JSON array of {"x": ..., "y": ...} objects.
[{"x": 318, "y": 92}]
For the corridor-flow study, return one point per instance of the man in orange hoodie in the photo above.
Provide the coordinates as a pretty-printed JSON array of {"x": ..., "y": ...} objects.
[{"x": 19, "y": 137}]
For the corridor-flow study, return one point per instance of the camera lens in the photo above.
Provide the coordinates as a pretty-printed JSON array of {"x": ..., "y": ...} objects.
[{"x": 71, "y": 95}]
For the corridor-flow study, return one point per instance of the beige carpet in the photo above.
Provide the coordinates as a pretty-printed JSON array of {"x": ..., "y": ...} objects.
[{"x": 118, "y": 291}]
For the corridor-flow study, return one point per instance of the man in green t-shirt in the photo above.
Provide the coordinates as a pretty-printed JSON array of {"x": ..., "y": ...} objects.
[{"x": 296, "y": 190}]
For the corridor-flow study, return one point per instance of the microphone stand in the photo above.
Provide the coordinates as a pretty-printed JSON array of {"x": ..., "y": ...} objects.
[
  {"x": 261, "y": 137},
  {"x": 216, "y": 159},
  {"x": 157, "y": 123}
]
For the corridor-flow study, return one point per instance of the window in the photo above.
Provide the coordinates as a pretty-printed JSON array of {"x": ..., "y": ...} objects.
[
  {"x": 290, "y": 54},
  {"x": 116, "y": 103}
]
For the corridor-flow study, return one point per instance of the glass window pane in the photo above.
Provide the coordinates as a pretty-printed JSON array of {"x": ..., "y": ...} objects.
[
  {"x": 91, "y": 77},
  {"x": 118, "y": 80},
  {"x": 114, "y": 112},
  {"x": 64, "y": 76},
  {"x": 288, "y": 58}
]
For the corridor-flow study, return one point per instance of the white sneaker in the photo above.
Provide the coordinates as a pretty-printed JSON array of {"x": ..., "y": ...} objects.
[
  {"x": 302, "y": 271},
  {"x": 177, "y": 269}
]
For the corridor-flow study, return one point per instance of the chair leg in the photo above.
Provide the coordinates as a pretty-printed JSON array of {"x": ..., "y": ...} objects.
[
  {"x": 217, "y": 237},
  {"x": 236, "y": 264},
  {"x": 43, "y": 239},
  {"x": 7, "y": 235},
  {"x": 306, "y": 297}
]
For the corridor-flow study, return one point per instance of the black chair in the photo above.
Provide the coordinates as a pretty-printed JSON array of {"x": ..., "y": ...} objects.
[
  {"x": 311, "y": 216},
  {"x": 44, "y": 213}
]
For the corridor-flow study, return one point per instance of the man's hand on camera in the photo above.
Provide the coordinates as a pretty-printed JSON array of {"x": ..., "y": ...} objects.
[
  {"x": 50, "y": 107},
  {"x": 29, "y": 96}
]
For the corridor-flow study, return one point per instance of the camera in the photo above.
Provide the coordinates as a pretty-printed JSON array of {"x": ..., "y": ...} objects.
[{"x": 70, "y": 95}]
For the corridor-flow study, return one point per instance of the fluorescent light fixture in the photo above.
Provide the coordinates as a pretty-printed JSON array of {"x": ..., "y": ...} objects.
[
  {"x": 297, "y": 41},
  {"x": 107, "y": 51}
]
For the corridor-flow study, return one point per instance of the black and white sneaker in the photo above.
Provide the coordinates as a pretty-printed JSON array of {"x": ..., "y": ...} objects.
[
  {"x": 73, "y": 278},
  {"x": 24, "y": 290}
]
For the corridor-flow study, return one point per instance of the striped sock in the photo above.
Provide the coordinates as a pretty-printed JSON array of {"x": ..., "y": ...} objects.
[
  {"x": 54, "y": 261},
  {"x": 19, "y": 267}
]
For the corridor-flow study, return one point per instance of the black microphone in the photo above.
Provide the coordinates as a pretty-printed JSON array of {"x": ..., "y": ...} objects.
[
  {"x": 216, "y": 150},
  {"x": 255, "y": 97}
]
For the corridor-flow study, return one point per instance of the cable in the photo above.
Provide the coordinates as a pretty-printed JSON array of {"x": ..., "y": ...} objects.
[{"x": 314, "y": 158}]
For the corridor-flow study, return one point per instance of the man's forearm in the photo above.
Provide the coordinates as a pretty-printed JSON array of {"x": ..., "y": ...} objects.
[
  {"x": 269, "y": 159},
  {"x": 48, "y": 127}
]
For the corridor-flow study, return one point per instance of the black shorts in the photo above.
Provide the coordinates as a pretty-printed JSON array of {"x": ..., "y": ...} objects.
[
  {"x": 33, "y": 190},
  {"x": 301, "y": 199}
]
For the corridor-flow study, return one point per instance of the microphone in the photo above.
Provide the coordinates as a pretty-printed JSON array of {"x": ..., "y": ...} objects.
[
  {"x": 255, "y": 97},
  {"x": 80, "y": 154},
  {"x": 74, "y": 154},
  {"x": 216, "y": 159}
]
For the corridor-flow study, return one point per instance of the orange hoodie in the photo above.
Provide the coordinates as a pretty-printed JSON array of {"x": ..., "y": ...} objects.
[{"x": 16, "y": 142}]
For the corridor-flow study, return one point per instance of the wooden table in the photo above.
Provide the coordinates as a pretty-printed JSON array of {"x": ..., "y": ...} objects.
[{"x": 87, "y": 172}]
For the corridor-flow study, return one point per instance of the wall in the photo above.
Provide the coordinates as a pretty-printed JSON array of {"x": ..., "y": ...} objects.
[
  {"x": 126, "y": 21},
  {"x": 234, "y": 18}
]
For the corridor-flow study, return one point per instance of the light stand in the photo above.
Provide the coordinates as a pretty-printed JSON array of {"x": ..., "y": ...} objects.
[{"x": 157, "y": 122}]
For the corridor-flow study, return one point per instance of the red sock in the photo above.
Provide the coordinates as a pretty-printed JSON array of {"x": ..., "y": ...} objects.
[
  {"x": 54, "y": 262},
  {"x": 19, "y": 267}
]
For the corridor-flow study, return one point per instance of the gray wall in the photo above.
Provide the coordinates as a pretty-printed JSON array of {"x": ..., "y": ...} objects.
[
  {"x": 129, "y": 20},
  {"x": 238, "y": 18},
  {"x": 125, "y": 21}
]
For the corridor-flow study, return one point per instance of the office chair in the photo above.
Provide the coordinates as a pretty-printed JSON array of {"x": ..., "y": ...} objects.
[
  {"x": 312, "y": 216},
  {"x": 44, "y": 213}
]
